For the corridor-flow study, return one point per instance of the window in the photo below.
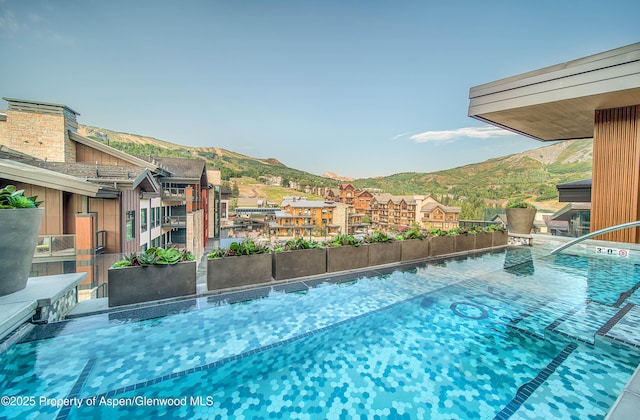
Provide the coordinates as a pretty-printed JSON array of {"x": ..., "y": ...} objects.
[
  {"x": 143, "y": 220},
  {"x": 158, "y": 218},
  {"x": 131, "y": 225}
]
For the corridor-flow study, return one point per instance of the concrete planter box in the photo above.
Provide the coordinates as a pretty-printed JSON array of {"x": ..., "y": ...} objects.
[
  {"x": 415, "y": 249},
  {"x": 138, "y": 284},
  {"x": 19, "y": 239},
  {"x": 484, "y": 240},
  {"x": 244, "y": 270},
  {"x": 347, "y": 258},
  {"x": 520, "y": 221},
  {"x": 465, "y": 243},
  {"x": 500, "y": 238},
  {"x": 384, "y": 253},
  {"x": 299, "y": 263},
  {"x": 441, "y": 245}
]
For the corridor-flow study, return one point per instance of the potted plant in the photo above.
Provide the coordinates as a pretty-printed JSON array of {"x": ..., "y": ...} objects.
[
  {"x": 20, "y": 218},
  {"x": 499, "y": 236},
  {"x": 154, "y": 274},
  {"x": 383, "y": 249},
  {"x": 441, "y": 242},
  {"x": 414, "y": 245},
  {"x": 345, "y": 253},
  {"x": 242, "y": 264},
  {"x": 299, "y": 258},
  {"x": 520, "y": 217},
  {"x": 465, "y": 238},
  {"x": 483, "y": 237}
]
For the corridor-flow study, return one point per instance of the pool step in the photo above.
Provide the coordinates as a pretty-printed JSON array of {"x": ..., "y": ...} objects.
[
  {"x": 582, "y": 323},
  {"x": 622, "y": 328}
]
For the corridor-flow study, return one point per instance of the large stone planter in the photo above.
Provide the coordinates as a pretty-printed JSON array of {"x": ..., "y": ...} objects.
[
  {"x": 347, "y": 258},
  {"x": 415, "y": 249},
  {"x": 17, "y": 246},
  {"x": 484, "y": 240},
  {"x": 138, "y": 284},
  {"x": 465, "y": 243},
  {"x": 384, "y": 253},
  {"x": 500, "y": 238},
  {"x": 299, "y": 263},
  {"x": 520, "y": 221},
  {"x": 244, "y": 270},
  {"x": 442, "y": 245}
]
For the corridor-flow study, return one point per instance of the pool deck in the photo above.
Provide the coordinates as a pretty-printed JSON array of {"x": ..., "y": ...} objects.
[
  {"x": 627, "y": 406},
  {"x": 20, "y": 307}
]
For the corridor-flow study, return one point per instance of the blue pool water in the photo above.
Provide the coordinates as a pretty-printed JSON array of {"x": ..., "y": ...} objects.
[{"x": 512, "y": 334}]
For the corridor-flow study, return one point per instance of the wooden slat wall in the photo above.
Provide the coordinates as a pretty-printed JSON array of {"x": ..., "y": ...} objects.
[
  {"x": 108, "y": 220},
  {"x": 130, "y": 201},
  {"x": 52, "y": 204},
  {"x": 87, "y": 154},
  {"x": 616, "y": 172}
]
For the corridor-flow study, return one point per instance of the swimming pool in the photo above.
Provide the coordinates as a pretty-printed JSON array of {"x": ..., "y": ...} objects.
[{"x": 498, "y": 335}]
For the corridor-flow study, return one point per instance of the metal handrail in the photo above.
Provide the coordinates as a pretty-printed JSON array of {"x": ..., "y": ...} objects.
[{"x": 596, "y": 233}]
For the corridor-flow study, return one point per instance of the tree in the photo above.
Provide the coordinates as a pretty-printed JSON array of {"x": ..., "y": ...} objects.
[{"x": 235, "y": 191}]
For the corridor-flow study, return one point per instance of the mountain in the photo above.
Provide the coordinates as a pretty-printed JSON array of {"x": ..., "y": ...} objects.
[
  {"x": 333, "y": 175},
  {"x": 531, "y": 175},
  {"x": 231, "y": 164}
]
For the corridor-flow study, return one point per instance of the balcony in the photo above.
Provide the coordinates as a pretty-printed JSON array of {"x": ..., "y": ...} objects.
[
  {"x": 174, "y": 222},
  {"x": 174, "y": 195}
]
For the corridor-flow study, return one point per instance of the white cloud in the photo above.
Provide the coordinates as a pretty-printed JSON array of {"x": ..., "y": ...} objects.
[
  {"x": 448, "y": 136},
  {"x": 397, "y": 136}
]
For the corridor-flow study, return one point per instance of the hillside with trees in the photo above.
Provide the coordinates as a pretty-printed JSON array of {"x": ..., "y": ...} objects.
[{"x": 531, "y": 175}]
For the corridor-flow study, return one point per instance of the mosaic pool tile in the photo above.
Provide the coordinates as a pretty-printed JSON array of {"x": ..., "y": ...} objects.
[{"x": 455, "y": 339}]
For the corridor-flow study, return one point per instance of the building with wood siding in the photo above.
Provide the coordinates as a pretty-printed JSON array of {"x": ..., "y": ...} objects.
[
  {"x": 592, "y": 97},
  {"x": 107, "y": 201}
]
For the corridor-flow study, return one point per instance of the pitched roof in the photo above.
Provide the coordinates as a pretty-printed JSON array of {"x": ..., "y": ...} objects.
[
  {"x": 433, "y": 205},
  {"x": 100, "y": 174},
  {"x": 17, "y": 167},
  {"x": 307, "y": 204},
  {"x": 183, "y": 168}
]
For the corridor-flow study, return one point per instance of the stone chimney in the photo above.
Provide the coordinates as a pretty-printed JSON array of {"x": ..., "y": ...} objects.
[{"x": 40, "y": 129}]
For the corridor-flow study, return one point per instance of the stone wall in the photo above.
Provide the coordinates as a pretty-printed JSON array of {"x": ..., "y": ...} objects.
[
  {"x": 59, "y": 309},
  {"x": 39, "y": 135}
]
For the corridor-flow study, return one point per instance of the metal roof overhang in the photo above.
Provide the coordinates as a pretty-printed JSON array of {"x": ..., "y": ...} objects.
[
  {"x": 558, "y": 102},
  {"x": 34, "y": 175},
  {"x": 565, "y": 213}
]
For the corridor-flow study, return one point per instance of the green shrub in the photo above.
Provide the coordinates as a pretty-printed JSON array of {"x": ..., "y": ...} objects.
[
  {"x": 155, "y": 256},
  {"x": 246, "y": 247},
  {"x": 343, "y": 240},
  {"x": 378, "y": 237},
  {"x": 296, "y": 244},
  {"x": 519, "y": 205},
  {"x": 10, "y": 198}
]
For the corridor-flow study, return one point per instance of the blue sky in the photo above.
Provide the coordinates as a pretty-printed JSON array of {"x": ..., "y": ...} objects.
[{"x": 360, "y": 88}]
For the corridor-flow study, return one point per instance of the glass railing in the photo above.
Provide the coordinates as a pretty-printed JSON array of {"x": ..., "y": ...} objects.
[{"x": 55, "y": 246}]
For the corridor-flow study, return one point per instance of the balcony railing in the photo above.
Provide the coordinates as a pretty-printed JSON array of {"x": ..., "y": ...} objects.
[
  {"x": 100, "y": 241},
  {"x": 174, "y": 221},
  {"x": 175, "y": 194},
  {"x": 55, "y": 246}
]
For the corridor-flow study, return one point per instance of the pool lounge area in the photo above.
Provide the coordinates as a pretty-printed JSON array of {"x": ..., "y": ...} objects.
[{"x": 471, "y": 336}]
